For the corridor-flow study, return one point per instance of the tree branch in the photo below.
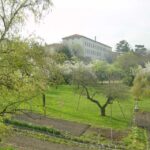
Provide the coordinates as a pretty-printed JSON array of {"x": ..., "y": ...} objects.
[
  {"x": 90, "y": 98},
  {"x": 12, "y": 17},
  {"x": 109, "y": 99},
  {"x": 4, "y": 111}
]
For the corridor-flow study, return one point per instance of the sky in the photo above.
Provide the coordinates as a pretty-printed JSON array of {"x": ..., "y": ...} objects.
[{"x": 109, "y": 20}]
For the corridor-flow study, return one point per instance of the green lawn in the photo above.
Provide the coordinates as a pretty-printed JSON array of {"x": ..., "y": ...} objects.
[{"x": 64, "y": 103}]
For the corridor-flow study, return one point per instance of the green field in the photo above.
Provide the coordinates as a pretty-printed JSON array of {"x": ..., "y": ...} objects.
[{"x": 64, "y": 103}]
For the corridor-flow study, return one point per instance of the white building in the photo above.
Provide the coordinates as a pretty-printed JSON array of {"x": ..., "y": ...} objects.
[{"x": 87, "y": 47}]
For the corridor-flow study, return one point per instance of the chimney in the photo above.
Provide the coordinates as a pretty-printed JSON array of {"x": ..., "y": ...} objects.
[{"x": 95, "y": 38}]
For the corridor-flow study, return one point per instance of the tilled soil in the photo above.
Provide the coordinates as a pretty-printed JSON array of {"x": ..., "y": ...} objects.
[
  {"x": 22, "y": 142},
  {"x": 142, "y": 119},
  {"x": 116, "y": 135},
  {"x": 72, "y": 127}
]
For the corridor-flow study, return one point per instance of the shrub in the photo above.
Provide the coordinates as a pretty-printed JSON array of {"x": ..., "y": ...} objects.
[
  {"x": 137, "y": 139},
  {"x": 32, "y": 127}
]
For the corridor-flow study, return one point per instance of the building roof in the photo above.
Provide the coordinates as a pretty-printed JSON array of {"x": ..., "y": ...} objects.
[
  {"x": 81, "y": 36},
  {"x": 53, "y": 45}
]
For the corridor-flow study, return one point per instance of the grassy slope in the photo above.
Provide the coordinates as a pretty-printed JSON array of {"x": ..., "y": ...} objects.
[{"x": 63, "y": 103}]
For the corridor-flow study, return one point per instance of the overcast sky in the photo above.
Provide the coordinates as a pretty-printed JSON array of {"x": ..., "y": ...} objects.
[{"x": 109, "y": 20}]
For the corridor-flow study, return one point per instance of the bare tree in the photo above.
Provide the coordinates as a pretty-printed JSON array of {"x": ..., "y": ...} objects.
[
  {"x": 86, "y": 80},
  {"x": 14, "y": 12}
]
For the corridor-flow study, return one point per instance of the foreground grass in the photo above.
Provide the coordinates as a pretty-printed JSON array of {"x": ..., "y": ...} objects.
[{"x": 66, "y": 104}]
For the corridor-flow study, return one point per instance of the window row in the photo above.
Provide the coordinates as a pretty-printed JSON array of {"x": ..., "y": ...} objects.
[
  {"x": 91, "y": 52},
  {"x": 91, "y": 45}
]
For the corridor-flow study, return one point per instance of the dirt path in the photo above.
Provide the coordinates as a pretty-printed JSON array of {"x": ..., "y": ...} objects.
[
  {"x": 22, "y": 142},
  {"x": 74, "y": 128}
]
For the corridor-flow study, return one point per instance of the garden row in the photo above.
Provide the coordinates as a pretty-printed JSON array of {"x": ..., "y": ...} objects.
[{"x": 62, "y": 136}]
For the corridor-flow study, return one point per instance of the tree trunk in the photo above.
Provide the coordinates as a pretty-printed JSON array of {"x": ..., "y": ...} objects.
[
  {"x": 44, "y": 100},
  {"x": 102, "y": 111},
  {"x": 44, "y": 103}
]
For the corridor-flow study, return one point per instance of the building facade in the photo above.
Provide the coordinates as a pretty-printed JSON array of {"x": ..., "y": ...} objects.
[{"x": 87, "y": 47}]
